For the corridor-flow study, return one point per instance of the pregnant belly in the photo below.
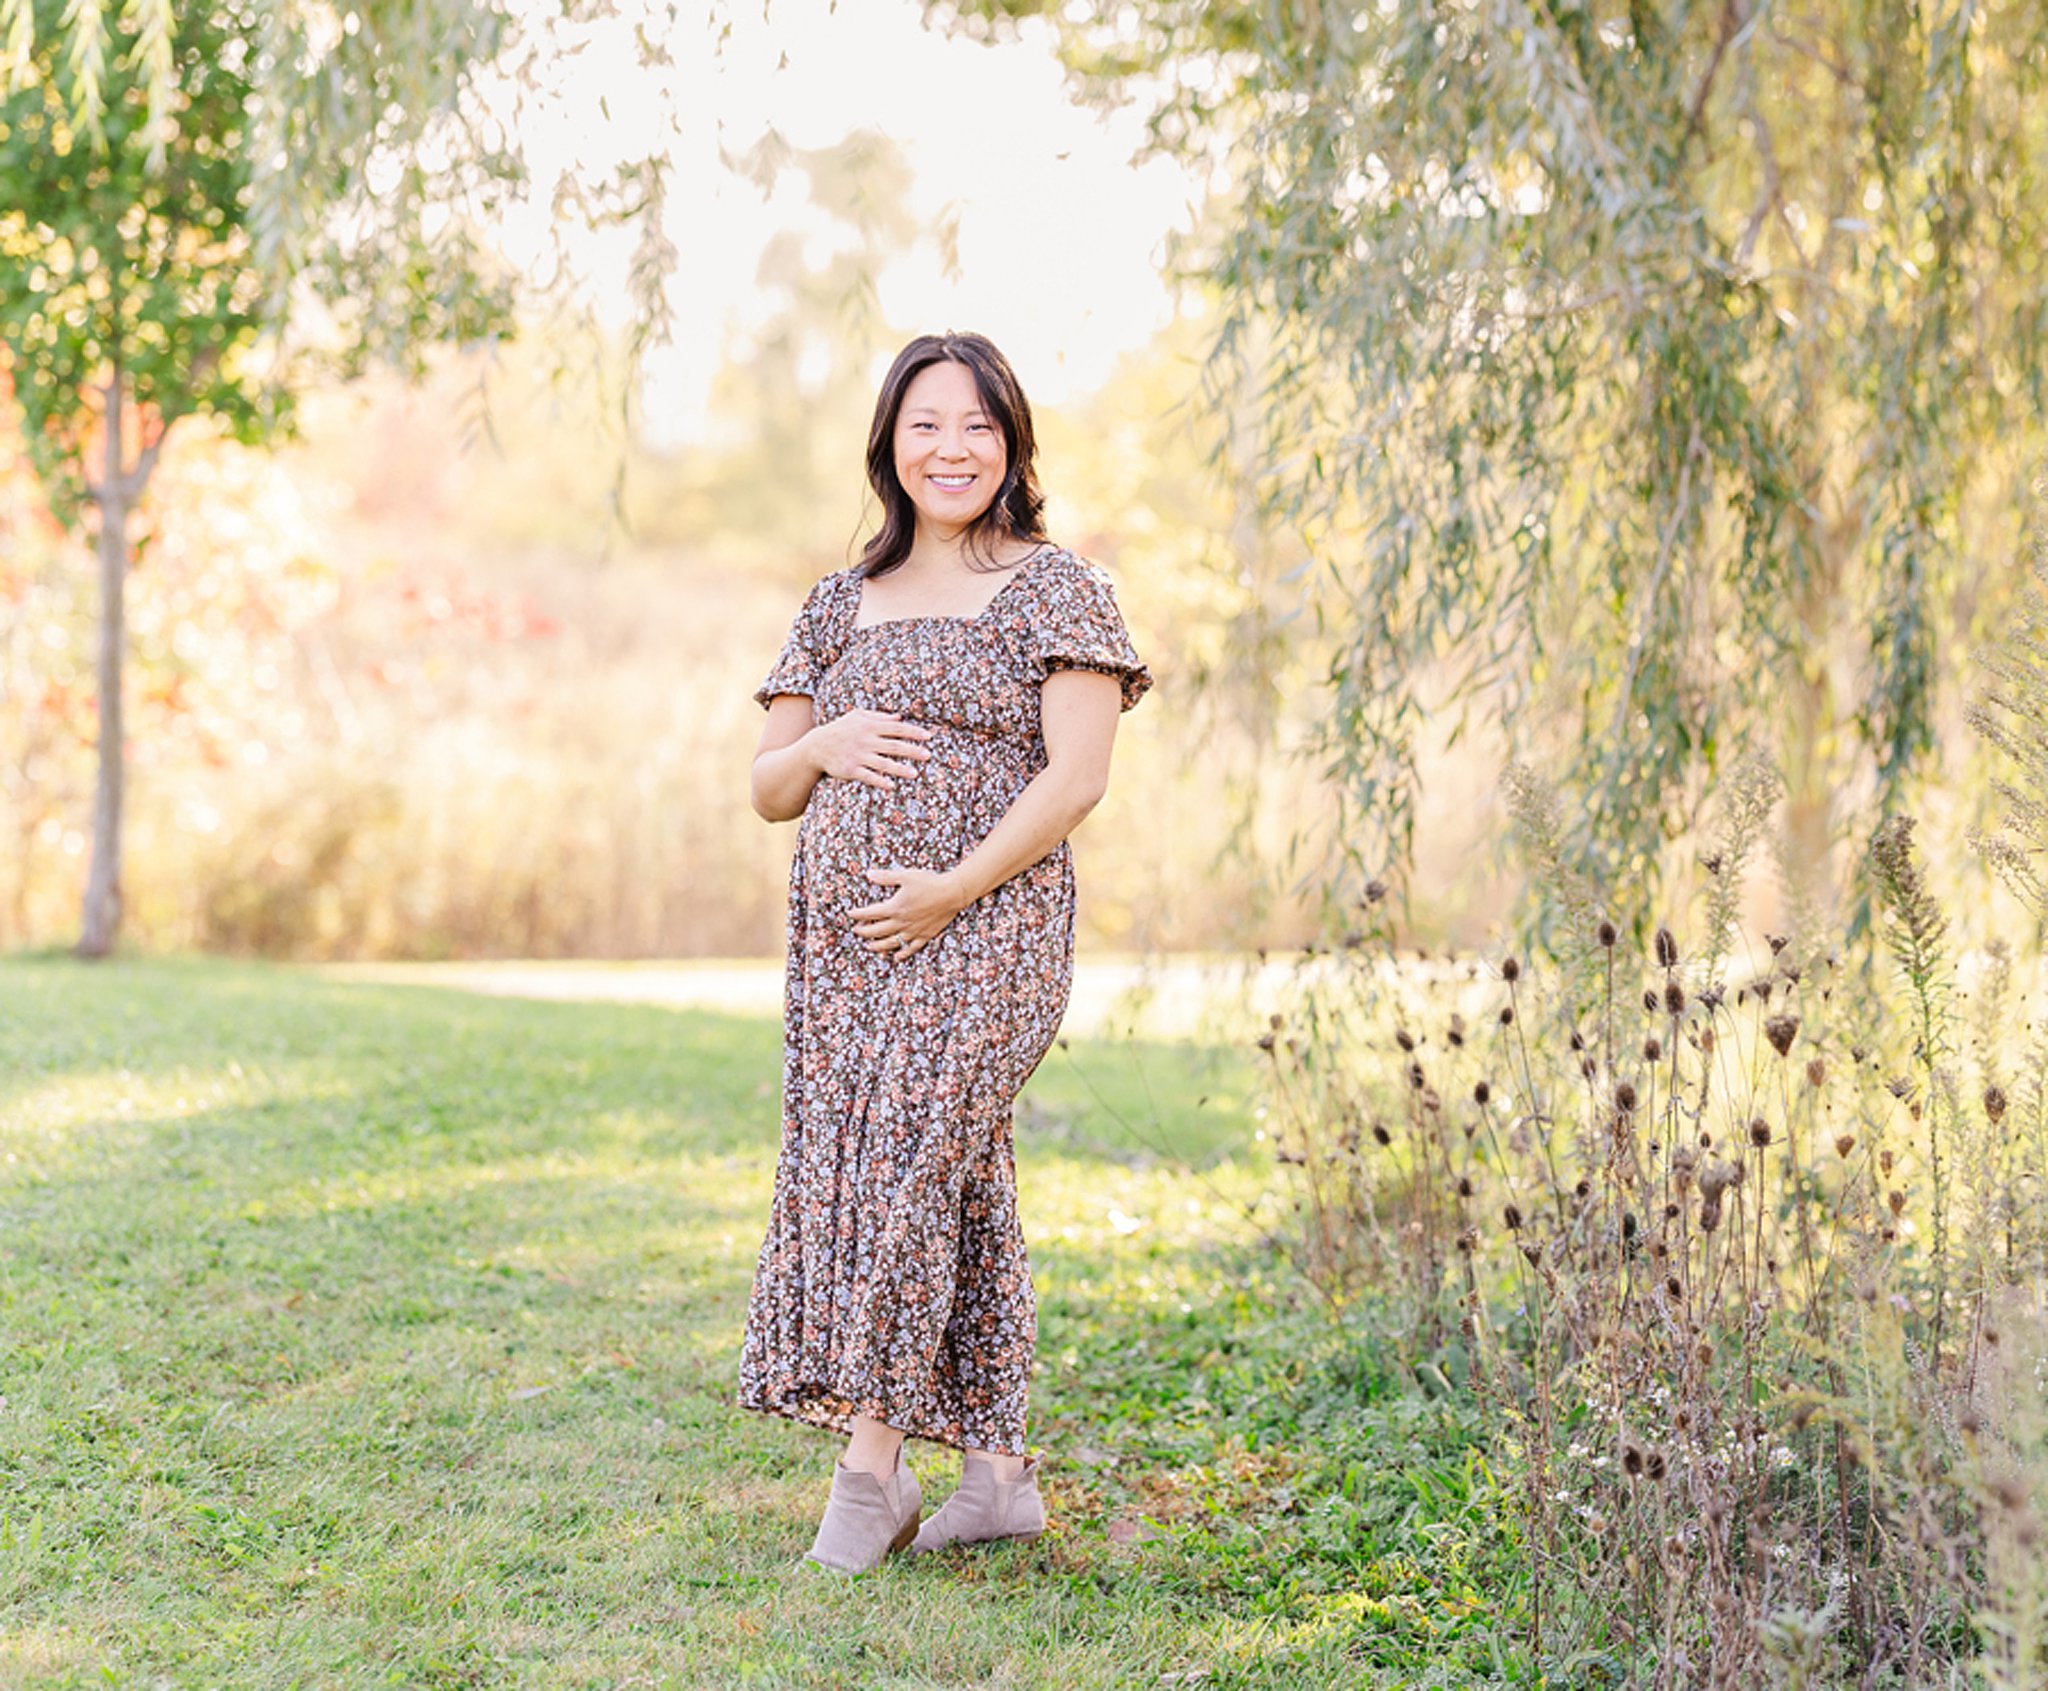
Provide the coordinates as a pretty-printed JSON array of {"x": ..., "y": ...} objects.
[{"x": 929, "y": 820}]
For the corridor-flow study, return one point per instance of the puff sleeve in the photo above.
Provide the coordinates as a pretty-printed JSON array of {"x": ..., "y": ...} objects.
[
  {"x": 1078, "y": 626},
  {"x": 804, "y": 656}
]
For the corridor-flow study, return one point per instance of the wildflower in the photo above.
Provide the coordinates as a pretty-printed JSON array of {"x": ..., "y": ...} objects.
[
  {"x": 1667, "y": 949},
  {"x": 1781, "y": 1030}
]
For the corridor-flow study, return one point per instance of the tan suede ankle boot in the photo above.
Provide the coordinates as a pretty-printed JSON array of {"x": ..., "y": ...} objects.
[
  {"x": 866, "y": 1518},
  {"x": 985, "y": 1509}
]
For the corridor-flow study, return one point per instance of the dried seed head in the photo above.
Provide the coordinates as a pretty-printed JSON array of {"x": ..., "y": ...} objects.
[
  {"x": 1578, "y": 1041},
  {"x": 1896, "y": 1199},
  {"x": 1715, "y": 1179},
  {"x": 1777, "y": 943},
  {"x": 1653, "y": 1048},
  {"x": 1628, "y": 1224},
  {"x": 1588, "y": 1065},
  {"x": 1583, "y": 1190},
  {"x": 1464, "y": 1186},
  {"x": 1816, "y": 1071},
  {"x": 1712, "y": 863},
  {"x": 1375, "y": 890},
  {"x": 1994, "y": 1102},
  {"x": 1380, "y": 1133},
  {"x": 1844, "y": 1144},
  {"x": 1631, "y": 1461},
  {"x": 1507, "y": 1015},
  {"x": 1667, "y": 948},
  {"x": 1625, "y": 1096},
  {"x": 1650, "y": 1002},
  {"x": 1759, "y": 1132},
  {"x": 1467, "y": 1240},
  {"x": 1674, "y": 999},
  {"x": 1430, "y": 1100},
  {"x": 1969, "y": 1420},
  {"x": 1781, "y": 1030},
  {"x": 1456, "y": 1035},
  {"x": 1899, "y": 1087},
  {"x": 1404, "y": 1039},
  {"x": 1511, "y": 969},
  {"x": 1710, "y": 1215},
  {"x": 1606, "y": 935},
  {"x": 1672, "y": 1289},
  {"x": 1481, "y": 1092},
  {"x": 1884, "y": 1162},
  {"x": 1415, "y": 1076},
  {"x": 1991, "y": 1337},
  {"x": 1512, "y": 1215},
  {"x": 1653, "y": 1464}
]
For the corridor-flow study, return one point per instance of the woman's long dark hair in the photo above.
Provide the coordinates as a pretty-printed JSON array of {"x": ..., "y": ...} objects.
[{"x": 1018, "y": 509}]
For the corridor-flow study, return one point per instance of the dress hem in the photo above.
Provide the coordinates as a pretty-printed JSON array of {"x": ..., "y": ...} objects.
[{"x": 812, "y": 1413}]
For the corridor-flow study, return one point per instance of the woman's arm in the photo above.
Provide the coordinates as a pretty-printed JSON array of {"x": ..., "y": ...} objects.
[
  {"x": 869, "y": 746},
  {"x": 1079, "y": 710}
]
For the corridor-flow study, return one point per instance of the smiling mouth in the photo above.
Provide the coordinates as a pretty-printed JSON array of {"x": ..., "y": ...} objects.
[{"x": 952, "y": 484}]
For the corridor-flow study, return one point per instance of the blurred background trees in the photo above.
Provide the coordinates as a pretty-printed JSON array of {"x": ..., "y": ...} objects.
[{"x": 211, "y": 206}]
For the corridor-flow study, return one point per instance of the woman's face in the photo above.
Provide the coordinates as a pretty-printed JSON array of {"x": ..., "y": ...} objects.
[{"x": 950, "y": 455}]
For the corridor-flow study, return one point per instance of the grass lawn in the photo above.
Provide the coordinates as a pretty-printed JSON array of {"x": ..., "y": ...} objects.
[{"x": 360, "y": 1335}]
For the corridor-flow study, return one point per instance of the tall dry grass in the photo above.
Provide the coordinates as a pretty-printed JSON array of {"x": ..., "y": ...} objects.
[{"x": 1742, "y": 1249}]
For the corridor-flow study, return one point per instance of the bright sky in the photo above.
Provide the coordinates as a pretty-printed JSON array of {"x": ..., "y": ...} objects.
[{"x": 1061, "y": 238}]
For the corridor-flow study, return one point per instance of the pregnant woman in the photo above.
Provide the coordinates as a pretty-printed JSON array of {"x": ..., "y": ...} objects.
[{"x": 941, "y": 718}]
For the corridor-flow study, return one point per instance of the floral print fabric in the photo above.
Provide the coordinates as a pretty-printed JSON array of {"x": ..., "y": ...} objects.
[{"x": 893, "y": 1280}]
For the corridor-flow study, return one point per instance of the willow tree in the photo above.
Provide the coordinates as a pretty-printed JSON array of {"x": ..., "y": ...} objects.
[
  {"x": 187, "y": 186},
  {"x": 1631, "y": 369}
]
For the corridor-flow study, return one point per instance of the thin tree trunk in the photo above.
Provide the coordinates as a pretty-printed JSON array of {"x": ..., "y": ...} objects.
[{"x": 113, "y": 493}]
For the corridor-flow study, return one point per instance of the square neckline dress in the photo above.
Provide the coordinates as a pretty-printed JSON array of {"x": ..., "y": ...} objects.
[{"x": 893, "y": 1279}]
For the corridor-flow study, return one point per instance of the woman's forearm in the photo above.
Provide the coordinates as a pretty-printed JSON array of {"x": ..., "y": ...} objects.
[
  {"x": 783, "y": 779},
  {"x": 1050, "y": 807}
]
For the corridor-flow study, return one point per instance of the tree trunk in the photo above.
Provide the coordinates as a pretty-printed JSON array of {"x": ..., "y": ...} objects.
[{"x": 113, "y": 495}]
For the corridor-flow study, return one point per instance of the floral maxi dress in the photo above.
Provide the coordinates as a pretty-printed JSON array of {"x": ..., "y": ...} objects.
[{"x": 893, "y": 1280}]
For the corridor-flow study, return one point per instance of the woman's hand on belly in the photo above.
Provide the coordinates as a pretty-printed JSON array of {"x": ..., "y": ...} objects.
[
  {"x": 873, "y": 747},
  {"x": 902, "y": 924}
]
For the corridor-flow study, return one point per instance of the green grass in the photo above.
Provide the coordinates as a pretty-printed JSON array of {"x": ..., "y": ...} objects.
[{"x": 366, "y": 1336}]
